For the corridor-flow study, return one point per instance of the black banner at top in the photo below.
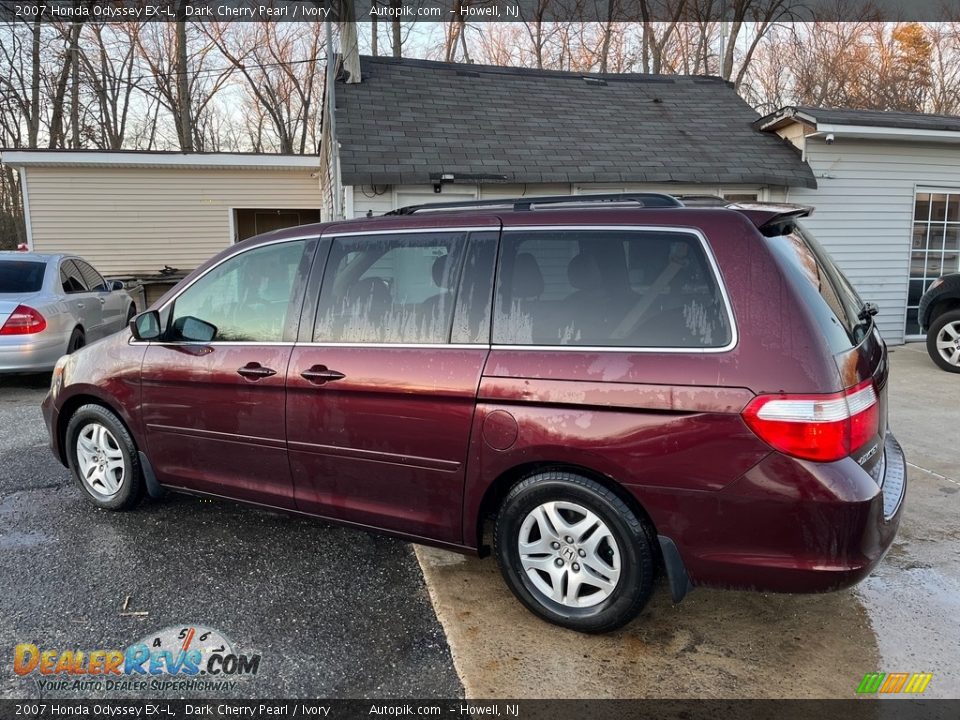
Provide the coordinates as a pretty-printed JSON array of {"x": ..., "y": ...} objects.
[{"x": 479, "y": 11}]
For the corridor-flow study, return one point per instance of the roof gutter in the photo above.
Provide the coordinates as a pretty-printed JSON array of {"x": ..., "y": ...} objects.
[
  {"x": 873, "y": 132},
  {"x": 69, "y": 158}
]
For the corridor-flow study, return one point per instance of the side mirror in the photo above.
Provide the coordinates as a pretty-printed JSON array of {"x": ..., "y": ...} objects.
[
  {"x": 146, "y": 325},
  {"x": 115, "y": 285}
]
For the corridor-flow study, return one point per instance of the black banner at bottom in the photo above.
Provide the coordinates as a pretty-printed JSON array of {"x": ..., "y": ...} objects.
[{"x": 859, "y": 709}]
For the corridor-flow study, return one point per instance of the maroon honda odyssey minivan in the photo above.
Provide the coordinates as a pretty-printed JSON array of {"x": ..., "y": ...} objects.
[{"x": 611, "y": 387}]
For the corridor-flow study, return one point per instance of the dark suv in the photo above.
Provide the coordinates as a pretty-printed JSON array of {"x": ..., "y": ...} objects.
[
  {"x": 939, "y": 316},
  {"x": 614, "y": 387}
]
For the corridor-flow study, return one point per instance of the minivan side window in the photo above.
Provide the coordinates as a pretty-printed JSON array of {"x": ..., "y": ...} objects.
[
  {"x": 610, "y": 287},
  {"x": 827, "y": 292},
  {"x": 71, "y": 279},
  {"x": 390, "y": 288},
  {"x": 246, "y": 298}
]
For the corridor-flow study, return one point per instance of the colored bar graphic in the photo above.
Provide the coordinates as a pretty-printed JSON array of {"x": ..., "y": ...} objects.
[{"x": 890, "y": 683}]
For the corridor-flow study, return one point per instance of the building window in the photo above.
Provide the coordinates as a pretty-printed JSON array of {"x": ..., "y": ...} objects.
[{"x": 935, "y": 247}]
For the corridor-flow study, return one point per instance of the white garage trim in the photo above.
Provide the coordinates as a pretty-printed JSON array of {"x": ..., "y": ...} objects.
[
  {"x": 26, "y": 207},
  {"x": 223, "y": 161}
]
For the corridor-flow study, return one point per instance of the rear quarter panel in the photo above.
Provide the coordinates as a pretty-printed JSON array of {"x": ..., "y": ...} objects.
[{"x": 653, "y": 420}]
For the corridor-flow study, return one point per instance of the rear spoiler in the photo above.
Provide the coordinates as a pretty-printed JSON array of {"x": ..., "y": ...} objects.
[{"x": 773, "y": 218}]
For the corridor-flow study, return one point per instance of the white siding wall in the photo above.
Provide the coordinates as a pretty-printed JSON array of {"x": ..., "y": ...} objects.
[
  {"x": 136, "y": 220},
  {"x": 864, "y": 211}
]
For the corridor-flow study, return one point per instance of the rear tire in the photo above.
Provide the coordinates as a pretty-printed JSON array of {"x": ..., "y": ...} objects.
[
  {"x": 103, "y": 459},
  {"x": 573, "y": 552},
  {"x": 77, "y": 341},
  {"x": 943, "y": 341}
]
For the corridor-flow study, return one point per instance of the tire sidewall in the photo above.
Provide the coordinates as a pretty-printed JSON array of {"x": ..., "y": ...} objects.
[
  {"x": 636, "y": 558},
  {"x": 77, "y": 341},
  {"x": 131, "y": 489},
  {"x": 943, "y": 320}
]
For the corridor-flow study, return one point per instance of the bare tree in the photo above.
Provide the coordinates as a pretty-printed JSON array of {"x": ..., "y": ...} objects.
[
  {"x": 185, "y": 89},
  {"x": 280, "y": 65},
  {"x": 108, "y": 61}
]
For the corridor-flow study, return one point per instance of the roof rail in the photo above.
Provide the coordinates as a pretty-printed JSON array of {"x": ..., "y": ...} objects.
[{"x": 648, "y": 200}]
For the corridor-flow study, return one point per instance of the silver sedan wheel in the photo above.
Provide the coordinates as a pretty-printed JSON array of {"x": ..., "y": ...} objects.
[
  {"x": 100, "y": 460},
  {"x": 569, "y": 554},
  {"x": 948, "y": 343}
]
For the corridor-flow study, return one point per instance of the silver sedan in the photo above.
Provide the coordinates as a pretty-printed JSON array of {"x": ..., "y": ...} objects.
[{"x": 50, "y": 305}]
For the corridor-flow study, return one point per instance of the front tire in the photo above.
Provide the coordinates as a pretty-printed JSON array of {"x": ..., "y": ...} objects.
[
  {"x": 573, "y": 552},
  {"x": 943, "y": 341},
  {"x": 103, "y": 459}
]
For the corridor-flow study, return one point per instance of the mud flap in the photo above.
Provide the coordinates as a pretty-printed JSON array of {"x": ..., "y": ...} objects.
[
  {"x": 677, "y": 577},
  {"x": 154, "y": 488}
]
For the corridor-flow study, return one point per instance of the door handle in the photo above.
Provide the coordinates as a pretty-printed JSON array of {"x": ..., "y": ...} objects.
[
  {"x": 254, "y": 371},
  {"x": 320, "y": 374}
]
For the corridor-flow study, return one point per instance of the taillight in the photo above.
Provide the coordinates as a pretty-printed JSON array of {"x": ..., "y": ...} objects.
[
  {"x": 816, "y": 427},
  {"x": 24, "y": 320}
]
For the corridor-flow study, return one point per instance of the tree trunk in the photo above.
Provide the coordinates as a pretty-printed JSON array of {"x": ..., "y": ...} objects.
[
  {"x": 33, "y": 119},
  {"x": 395, "y": 27},
  {"x": 185, "y": 124},
  {"x": 75, "y": 85}
]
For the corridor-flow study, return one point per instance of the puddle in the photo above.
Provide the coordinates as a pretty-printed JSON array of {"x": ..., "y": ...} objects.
[{"x": 15, "y": 539}]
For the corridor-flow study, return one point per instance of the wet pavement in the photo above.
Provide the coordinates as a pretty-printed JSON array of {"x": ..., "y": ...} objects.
[
  {"x": 332, "y": 612},
  {"x": 722, "y": 644},
  {"x": 340, "y": 613}
]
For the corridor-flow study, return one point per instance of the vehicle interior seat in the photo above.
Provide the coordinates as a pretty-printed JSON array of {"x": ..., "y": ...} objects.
[{"x": 526, "y": 287}]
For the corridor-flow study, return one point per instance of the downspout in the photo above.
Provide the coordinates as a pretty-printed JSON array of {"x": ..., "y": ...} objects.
[{"x": 332, "y": 119}]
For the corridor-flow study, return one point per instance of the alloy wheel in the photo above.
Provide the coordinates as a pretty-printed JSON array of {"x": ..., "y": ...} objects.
[
  {"x": 948, "y": 343},
  {"x": 100, "y": 460}
]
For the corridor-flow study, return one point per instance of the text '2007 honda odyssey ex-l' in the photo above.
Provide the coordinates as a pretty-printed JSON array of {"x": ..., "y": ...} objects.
[{"x": 617, "y": 387}]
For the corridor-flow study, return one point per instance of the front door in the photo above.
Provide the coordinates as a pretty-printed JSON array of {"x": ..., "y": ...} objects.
[
  {"x": 213, "y": 397},
  {"x": 381, "y": 397}
]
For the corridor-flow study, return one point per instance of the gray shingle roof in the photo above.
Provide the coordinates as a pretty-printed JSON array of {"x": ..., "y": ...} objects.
[
  {"x": 409, "y": 121},
  {"x": 874, "y": 118}
]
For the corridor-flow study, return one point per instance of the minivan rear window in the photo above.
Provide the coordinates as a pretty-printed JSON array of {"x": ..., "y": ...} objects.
[
  {"x": 835, "y": 303},
  {"x": 21, "y": 276},
  {"x": 609, "y": 288}
]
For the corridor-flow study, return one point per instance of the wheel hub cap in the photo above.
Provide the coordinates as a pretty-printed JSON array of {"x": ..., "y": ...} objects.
[
  {"x": 100, "y": 460},
  {"x": 569, "y": 554}
]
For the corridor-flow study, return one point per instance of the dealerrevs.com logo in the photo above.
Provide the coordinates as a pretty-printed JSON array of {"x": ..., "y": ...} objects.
[{"x": 177, "y": 658}]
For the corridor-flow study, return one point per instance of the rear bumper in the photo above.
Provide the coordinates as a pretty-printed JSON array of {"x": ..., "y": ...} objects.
[
  {"x": 787, "y": 525},
  {"x": 27, "y": 353}
]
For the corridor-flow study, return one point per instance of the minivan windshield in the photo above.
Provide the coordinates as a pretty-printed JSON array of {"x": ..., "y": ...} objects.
[
  {"x": 21, "y": 276},
  {"x": 839, "y": 311}
]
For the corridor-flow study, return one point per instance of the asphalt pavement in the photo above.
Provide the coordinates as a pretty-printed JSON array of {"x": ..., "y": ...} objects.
[
  {"x": 332, "y": 612},
  {"x": 341, "y": 613}
]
